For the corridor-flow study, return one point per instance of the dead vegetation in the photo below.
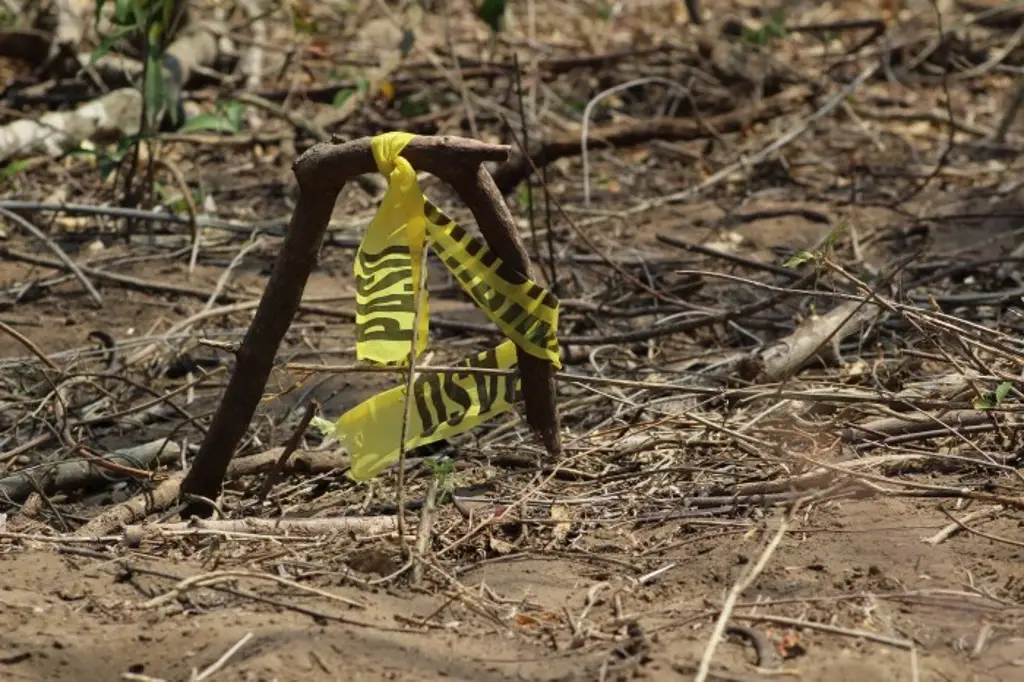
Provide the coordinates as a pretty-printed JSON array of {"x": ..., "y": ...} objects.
[{"x": 787, "y": 249}]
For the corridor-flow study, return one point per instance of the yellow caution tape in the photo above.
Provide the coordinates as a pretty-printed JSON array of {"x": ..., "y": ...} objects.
[
  {"x": 387, "y": 271},
  {"x": 443, "y": 406},
  {"x": 524, "y": 311},
  {"x": 387, "y": 267}
]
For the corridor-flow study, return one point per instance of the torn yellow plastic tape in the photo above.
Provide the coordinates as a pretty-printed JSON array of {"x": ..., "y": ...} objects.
[
  {"x": 524, "y": 311},
  {"x": 443, "y": 405},
  {"x": 388, "y": 261},
  {"x": 387, "y": 271}
]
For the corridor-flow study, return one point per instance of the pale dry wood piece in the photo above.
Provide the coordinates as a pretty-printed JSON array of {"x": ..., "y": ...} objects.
[
  {"x": 878, "y": 429},
  {"x": 73, "y": 21},
  {"x": 113, "y": 116},
  {"x": 79, "y": 473},
  {"x": 302, "y": 462},
  {"x": 135, "y": 509},
  {"x": 952, "y": 528},
  {"x": 322, "y": 172},
  {"x": 252, "y": 61},
  {"x": 370, "y": 525},
  {"x": 817, "y": 337}
]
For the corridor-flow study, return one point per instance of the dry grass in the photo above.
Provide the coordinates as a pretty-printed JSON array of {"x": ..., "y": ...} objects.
[{"x": 821, "y": 460}]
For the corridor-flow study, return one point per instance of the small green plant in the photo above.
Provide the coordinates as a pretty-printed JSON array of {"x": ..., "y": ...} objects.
[
  {"x": 827, "y": 248},
  {"x": 227, "y": 119},
  {"x": 492, "y": 12},
  {"x": 152, "y": 24},
  {"x": 108, "y": 159},
  {"x": 411, "y": 107},
  {"x": 340, "y": 97},
  {"x": 991, "y": 401},
  {"x": 173, "y": 200},
  {"x": 153, "y": 20},
  {"x": 773, "y": 29},
  {"x": 523, "y": 195},
  {"x": 14, "y": 168},
  {"x": 444, "y": 476}
]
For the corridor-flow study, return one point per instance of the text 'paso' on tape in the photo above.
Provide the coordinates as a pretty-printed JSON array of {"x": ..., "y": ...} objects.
[{"x": 388, "y": 261}]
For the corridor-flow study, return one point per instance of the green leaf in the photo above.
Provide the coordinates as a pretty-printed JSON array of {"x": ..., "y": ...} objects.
[
  {"x": 108, "y": 43},
  {"x": 411, "y": 108},
  {"x": 799, "y": 258},
  {"x": 990, "y": 401},
  {"x": 524, "y": 194},
  {"x": 213, "y": 122},
  {"x": 168, "y": 7},
  {"x": 984, "y": 403},
  {"x": 15, "y": 167},
  {"x": 154, "y": 91},
  {"x": 233, "y": 112},
  {"x": 1003, "y": 390},
  {"x": 492, "y": 12},
  {"x": 123, "y": 13},
  {"x": 324, "y": 426},
  {"x": 833, "y": 237},
  {"x": 139, "y": 9},
  {"x": 755, "y": 37},
  {"x": 98, "y": 14},
  {"x": 341, "y": 96}
]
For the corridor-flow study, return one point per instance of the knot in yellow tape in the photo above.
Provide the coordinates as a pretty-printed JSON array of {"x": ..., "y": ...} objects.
[
  {"x": 392, "y": 310},
  {"x": 387, "y": 153}
]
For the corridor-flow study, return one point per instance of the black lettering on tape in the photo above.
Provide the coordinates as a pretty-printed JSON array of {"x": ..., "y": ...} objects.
[
  {"x": 382, "y": 329},
  {"x": 510, "y": 274},
  {"x": 371, "y": 262},
  {"x": 368, "y": 286},
  {"x": 510, "y": 386},
  {"x": 457, "y": 394},
  {"x": 458, "y": 270},
  {"x": 487, "y": 385},
  {"x": 538, "y": 333},
  {"x": 421, "y": 385},
  {"x": 387, "y": 304}
]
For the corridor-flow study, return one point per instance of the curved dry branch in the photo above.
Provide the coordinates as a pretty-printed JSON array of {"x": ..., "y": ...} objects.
[
  {"x": 520, "y": 167},
  {"x": 322, "y": 173}
]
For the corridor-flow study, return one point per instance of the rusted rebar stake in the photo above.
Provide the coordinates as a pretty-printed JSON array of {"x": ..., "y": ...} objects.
[{"x": 322, "y": 172}]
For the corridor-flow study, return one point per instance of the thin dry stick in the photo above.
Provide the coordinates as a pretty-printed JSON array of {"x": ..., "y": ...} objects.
[
  {"x": 589, "y": 109},
  {"x": 29, "y": 344},
  {"x": 974, "y": 531},
  {"x": 291, "y": 446},
  {"x": 226, "y": 275},
  {"x": 730, "y": 601},
  {"x": 426, "y": 525},
  {"x": 59, "y": 252},
  {"x": 823, "y": 627},
  {"x": 214, "y": 667},
  {"x": 417, "y": 311},
  {"x": 211, "y": 579},
  {"x": 190, "y": 208},
  {"x": 749, "y": 161}
]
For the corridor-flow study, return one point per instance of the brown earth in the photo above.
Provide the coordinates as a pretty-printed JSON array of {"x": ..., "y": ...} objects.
[
  {"x": 857, "y": 567},
  {"x": 610, "y": 563}
]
